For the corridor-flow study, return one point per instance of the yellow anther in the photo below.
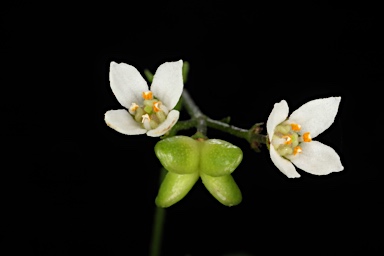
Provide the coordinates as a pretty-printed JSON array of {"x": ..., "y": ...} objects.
[
  {"x": 156, "y": 106},
  {"x": 307, "y": 137},
  {"x": 145, "y": 118},
  {"x": 296, "y": 127},
  {"x": 288, "y": 139},
  {"x": 297, "y": 150},
  {"x": 147, "y": 95},
  {"x": 133, "y": 107}
]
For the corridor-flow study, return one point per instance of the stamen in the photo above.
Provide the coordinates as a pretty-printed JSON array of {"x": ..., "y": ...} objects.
[
  {"x": 153, "y": 124},
  {"x": 283, "y": 128},
  {"x": 138, "y": 114},
  {"x": 277, "y": 141},
  {"x": 156, "y": 106},
  {"x": 147, "y": 95},
  {"x": 288, "y": 139},
  {"x": 133, "y": 108},
  {"x": 146, "y": 121},
  {"x": 284, "y": 150},
  {"x": 295, "y": 139},
  {"x": 297, "y": 150},
  {"x": 164, "y": 109},
  {"x": 307, "y": 137},
  {"x": 295, "y": 127},
  {"x": 145, "y": 118},
  {"x": 161, "y": 116}
]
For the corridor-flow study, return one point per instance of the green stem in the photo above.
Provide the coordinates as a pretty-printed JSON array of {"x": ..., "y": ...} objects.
[
  {"x": 238, "y": 132},
  {"x": 195, "y": 113},
  {"x": 158, "y": 225},
  {"x": 201, "y": 122},
  {"x": 255, "y": 136},
  {"x": 179, "y": 126}
]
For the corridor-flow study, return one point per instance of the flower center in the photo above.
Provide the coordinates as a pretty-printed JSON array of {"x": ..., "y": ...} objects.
[
  {"x": 150, "y": 113},
  {"x": 287, "y": 139}
]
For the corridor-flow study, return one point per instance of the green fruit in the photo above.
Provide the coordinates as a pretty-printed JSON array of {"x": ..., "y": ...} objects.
[
  {"x": 218, "y": 157},
  {"x": 174, "y": 188},
  {"x": 223, "y": 188},
  {"x": 187, "y": 159},
  {"x": 179, "y": 154}
]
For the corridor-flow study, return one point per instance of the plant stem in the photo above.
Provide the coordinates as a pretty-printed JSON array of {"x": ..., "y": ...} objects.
[
  {"x": 201, "y": 122},
  {"x": 194, "y": 111},
  {"x": 238, "y": 132},
  {"x": 158, "y": 225},
  {"x": 180, "y": 125}
]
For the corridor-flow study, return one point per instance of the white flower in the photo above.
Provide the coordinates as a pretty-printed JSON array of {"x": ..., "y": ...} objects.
[
  {"x": 147, "y": 110},
  {"x": 291, "y": 138}
]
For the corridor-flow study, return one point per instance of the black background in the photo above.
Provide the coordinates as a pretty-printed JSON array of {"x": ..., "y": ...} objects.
[{"x": 73, "y": 186}]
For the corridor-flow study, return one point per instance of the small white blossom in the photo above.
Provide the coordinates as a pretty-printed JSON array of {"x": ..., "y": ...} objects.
[
  {"x": 291, "y": 138},
  {"x": 146, "y": 110}
]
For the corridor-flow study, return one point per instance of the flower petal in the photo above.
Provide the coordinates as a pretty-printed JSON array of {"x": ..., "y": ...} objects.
[
  {"x": 279, "y": 114},
  {"x": 283, "y": 164},
  {"x": 165, "y": 126},
  {"x": 317, "y": 115},
  {"x": 317, "y": 158},
  {"x": 121, "y": 121},
  {"x": 167, "y": 84},
  {"x": 127, "y": 84}
]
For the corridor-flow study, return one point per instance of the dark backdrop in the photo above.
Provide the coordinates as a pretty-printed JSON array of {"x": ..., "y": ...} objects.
[{"x": 73, "y": 186}]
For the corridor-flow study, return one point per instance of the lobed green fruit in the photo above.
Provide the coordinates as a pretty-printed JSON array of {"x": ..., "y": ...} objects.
[
  {"x": 187, "y": 159},
  {"x": 179, "y": 154},
  {"x": 174, "y": 188},
  {"x": 218, "y": 157},
  {"x": 223, "y": 188}
]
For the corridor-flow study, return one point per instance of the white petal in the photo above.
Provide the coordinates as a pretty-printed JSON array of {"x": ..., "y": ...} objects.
[
  {"x": 165, "y": 126},
  {"x": 317, "y": 158},
  {"x": 279, "y": 114},
  {"x": 283, "y": 164},
  {"x": 121, "y": 121},
  {"x": 317, "y": 115},
  {"x": 167, "y": 84},
  {"x": 127, "y": 84}
]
